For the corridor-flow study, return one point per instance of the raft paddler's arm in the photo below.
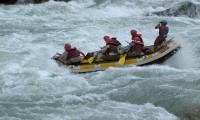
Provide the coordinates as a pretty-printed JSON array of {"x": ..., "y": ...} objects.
[
  {"x": 58, "y": 54},
  {"x": 160, "y": 27},
  {"x": 157, "y": 26},
  {"x": 82, "y": 53},
  {"x": 64, "y": 55},
  {"x": 129, "y": 46},
  {"x": 105, "y": 48}
]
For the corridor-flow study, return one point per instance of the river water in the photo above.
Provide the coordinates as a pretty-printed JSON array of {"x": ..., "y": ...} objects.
[{"x": 32, "y": 86}]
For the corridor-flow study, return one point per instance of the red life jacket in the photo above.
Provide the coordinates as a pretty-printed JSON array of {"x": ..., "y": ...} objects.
[
  {"x": 139, "y": 36},
  {"x": 137, "y": 47},
  {"x": 73, "y": 52},
  {"x": 116, "y": 41},
  {"x": 112, "y": 48},
  {"x": 138, "y": 41}
]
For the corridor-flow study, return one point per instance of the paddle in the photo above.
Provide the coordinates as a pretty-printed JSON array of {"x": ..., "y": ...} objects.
[
  {"x": 170, "y": 39},
  {"x": 127, "y": 42},
  {"x": 91, "y": 59},
  {"x": 122, "y": 60}
]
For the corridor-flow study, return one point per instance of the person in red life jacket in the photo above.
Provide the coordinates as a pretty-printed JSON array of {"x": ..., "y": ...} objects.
[
  {"x": 70, "y": 55},
  {"x": 163, "y": 31},
  {"x": 135, "y": 47},
  {"x": 99, "y": 54},
  {"x": 134, "y": 34},
  {"x": 105, "y": 39},
  {"x": 114, "y": 40},
  {"x": 120, "y": 48},
  {"x": 110, "y": 50}
]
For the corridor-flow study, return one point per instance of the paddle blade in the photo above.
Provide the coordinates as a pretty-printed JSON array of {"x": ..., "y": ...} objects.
[
  {"x": 122, "y": 60},
  {"x": 90, "y": 60}
]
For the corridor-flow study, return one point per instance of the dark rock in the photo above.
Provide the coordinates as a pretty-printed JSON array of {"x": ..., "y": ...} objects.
[
  {"x": 184, "y": 9},
  {"x": 8, "y": 1},
  {"x": 190, "y": 114},
  {"x": 63, "y": 0},
  {"x": 40, "y": 1}
]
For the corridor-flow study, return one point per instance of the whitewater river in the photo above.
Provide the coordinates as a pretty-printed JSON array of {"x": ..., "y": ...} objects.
[{"x": 32, "y": 86}]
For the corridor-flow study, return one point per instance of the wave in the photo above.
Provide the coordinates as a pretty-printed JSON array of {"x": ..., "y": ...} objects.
[{"x": 187, "y": 8}]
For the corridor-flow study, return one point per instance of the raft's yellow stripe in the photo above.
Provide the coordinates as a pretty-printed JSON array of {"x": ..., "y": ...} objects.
[
  {"x": 83, "y": 67},
  {"x": 150, "y": 56},
  {"x": 84, "y": 61},
  {"x": 159, "y": 52},
  {"x": 151, "y": 48},
  {"x": 132, "y": 61},
  {"x": 104, "y": 65}
]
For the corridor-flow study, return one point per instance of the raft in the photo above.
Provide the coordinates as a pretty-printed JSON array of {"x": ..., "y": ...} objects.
[{"x": 147, "y": 57}]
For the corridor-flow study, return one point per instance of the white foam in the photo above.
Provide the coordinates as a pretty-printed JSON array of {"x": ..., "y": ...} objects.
[{"x": 32, "y": 34}]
